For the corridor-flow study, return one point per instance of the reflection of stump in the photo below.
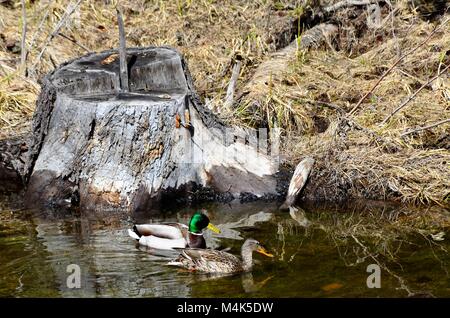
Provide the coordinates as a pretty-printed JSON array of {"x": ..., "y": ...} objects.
[{"x": 96, "y": 145}]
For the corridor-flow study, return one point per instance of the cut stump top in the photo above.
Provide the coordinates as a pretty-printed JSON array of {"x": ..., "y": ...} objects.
[{"x": 154, "y": 73}]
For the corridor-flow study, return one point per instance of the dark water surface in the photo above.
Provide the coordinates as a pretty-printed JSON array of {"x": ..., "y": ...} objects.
[{"x": 326, "y": 258}]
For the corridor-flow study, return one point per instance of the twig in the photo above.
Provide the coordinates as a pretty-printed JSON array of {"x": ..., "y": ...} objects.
[
  {"x": 23, "y": 49},
  {"x": 390, "y": 145},
  {"x": 74, "y": 41},
  {"x": 122, "y": 53},
  {"x": 229, "y": 99},
  {"x": 7, "y": 122},
  {"x": 395, "y": 64},
  {"x": 426, "y": 127},
  {"x": 52, "y": 60},
  {"x": 410, "y": 75},
  {"x": 2, "y": 69},
  {"x": 56, "y": 30},
  {"x": 40, "y": 28},
  {"x": 414, "y": 95},
  {"x": 325, "y": 104}
]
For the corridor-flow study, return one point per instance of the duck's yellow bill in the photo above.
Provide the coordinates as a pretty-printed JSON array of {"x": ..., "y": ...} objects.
[
  {"x": 213, "y": 228},
  {"x": 263, "y": 251}
]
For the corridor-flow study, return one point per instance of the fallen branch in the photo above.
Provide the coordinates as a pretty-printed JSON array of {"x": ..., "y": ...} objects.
[
  {"x": 395, "y": 64},
  {"x": 23, "y": 49},
  {"x": 414, "y": 95},
  {"x": 229, "y": 99},
  {"x": 122, "y": 53},
  {"x": 426, "y": 127}
]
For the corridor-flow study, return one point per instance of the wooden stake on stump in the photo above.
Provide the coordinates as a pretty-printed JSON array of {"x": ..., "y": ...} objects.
[{"x": 122, "y": 53}]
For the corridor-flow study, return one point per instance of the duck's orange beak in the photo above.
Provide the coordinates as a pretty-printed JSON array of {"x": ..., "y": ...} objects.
[{"x": 263, "y": 251}]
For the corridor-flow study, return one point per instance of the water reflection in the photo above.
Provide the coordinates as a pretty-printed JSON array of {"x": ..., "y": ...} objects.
[
  {"x": 250, "y": 286},
  {"x": 299, "y": 215},
  {"x": 314, "y": 250},
  {"x": 110, "y": 263},
  {"x": 230, "y": 230}
]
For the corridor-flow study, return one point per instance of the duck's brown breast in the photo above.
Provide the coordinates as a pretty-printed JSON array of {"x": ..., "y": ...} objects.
[{"x": 196, "y": 241}]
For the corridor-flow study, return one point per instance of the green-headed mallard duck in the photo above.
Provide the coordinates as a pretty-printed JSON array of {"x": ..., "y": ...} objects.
[
  {"x": 173, "y": 235},
  {"x": 212, "y": 261}
]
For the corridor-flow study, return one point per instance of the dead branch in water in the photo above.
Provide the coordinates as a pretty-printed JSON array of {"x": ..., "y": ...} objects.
[
  {"x": 298, "y": 181},
  {"x": 395, "y": 64},
  {"x": 382, "y": 265},
  {"x": 414, "y": 95},
  {"x": 425, "y": 127}
]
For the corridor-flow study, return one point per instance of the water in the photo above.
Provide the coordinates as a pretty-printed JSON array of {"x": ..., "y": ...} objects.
[{"x": 326, "y": 258}]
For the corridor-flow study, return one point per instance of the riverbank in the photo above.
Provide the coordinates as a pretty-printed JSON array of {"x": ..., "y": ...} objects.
[{"x": 309, "y": 93}]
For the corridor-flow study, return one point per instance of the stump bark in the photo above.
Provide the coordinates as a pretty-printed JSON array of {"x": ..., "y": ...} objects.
[
  {"x": 97, "y": 147},
  {"x": 12, "y": 157}
]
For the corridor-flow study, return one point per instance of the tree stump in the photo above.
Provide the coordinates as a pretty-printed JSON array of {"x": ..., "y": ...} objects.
[
  {"x": 12, "y": 157},
  {"x": 97, "y": 147}
]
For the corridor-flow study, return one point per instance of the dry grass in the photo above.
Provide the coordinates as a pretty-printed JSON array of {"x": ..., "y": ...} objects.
[
  {"x": 361, "y": 156},
  {"x": 299, "y": 91},
  {"x": 17, "y": 99},
  {"x": 209, "y": 33}
]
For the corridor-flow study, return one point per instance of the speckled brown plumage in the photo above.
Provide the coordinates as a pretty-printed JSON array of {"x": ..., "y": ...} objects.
[{"x": 212, "y": 261}]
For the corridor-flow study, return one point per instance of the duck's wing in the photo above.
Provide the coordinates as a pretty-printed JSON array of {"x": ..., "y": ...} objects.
[
  {"x": 162, "y": 243},
  {"x": 205, "y": 254},
  {"x": 166, "y": 231},
  {"x": 182, "y": 227},
  {"x": 207, "y": 260}
]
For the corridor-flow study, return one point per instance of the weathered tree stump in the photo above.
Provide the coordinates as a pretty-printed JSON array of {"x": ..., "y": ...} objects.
[
  {"x": 101, "y": 148},
  {"x": 12, "y": 158}
]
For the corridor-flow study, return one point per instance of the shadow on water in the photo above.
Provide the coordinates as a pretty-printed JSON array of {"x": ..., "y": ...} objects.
[{"x": 319, "y": 252}]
